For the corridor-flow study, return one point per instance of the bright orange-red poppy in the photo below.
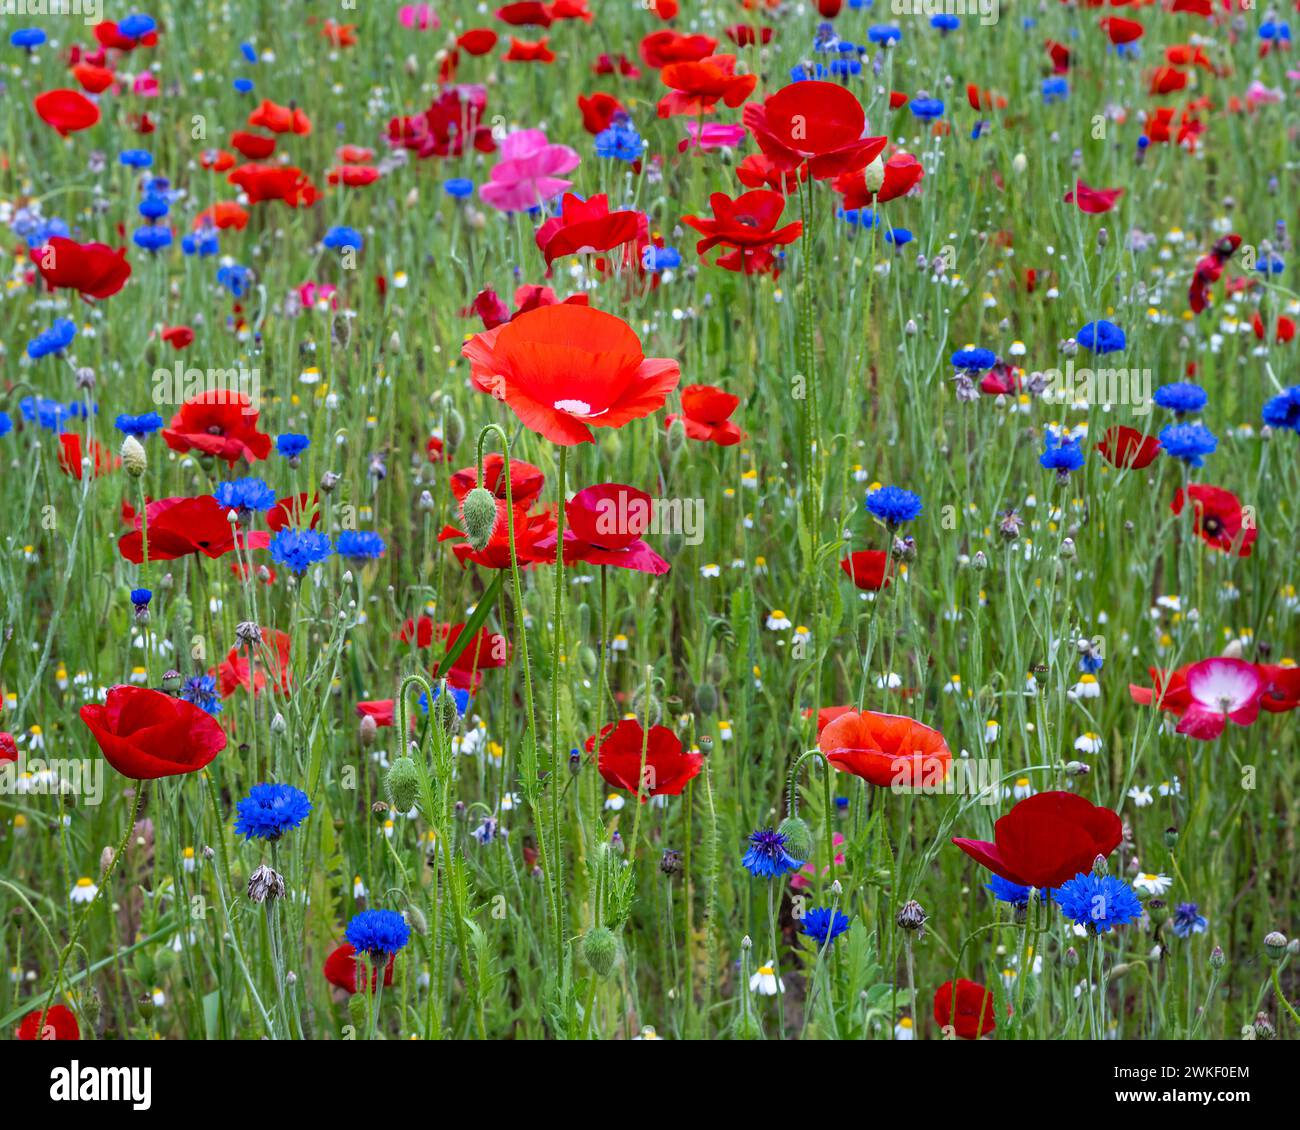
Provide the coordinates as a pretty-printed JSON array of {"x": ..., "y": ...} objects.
[{"x": 887, "y": 750}]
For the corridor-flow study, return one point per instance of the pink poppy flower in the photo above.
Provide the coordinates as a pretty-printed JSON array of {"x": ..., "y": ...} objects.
[
  {"x": 310, "y": 293},
  {"x": 712, "y": 135},
  {"x": 529, "y": 173},
  {"x": 419, "y": 17},
  {"x": 145, "y": 85},
  {"x": 1220, "y": 689}
]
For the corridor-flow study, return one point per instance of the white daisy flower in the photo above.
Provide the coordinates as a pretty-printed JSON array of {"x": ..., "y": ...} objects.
[{"x": 765, "y": 982}]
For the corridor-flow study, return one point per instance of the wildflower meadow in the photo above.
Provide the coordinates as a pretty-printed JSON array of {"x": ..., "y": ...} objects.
[{"x": 649, "y": 520}]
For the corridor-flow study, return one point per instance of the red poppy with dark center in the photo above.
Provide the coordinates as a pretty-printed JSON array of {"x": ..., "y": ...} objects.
[
  {"x": 705, "y": 412},
  {"x": 452, "y": 118},
  {"x": 342, "y": 965},
  {"x": 1047, "y": 839},
  {"x": 818, "y": 122},
  {"x": 58, "y": 1023},
  {"x": 667, "y": 767},
  {"x": 604, "y": 527},
  {"x": 697, "y": 87},
  {"x": 1281, "y": 687},
  {"x": 965, "y": 1008},
  {"x": 145, "y": 734},
  {"x": 66, "y": 110},
  {"x": 587, "y": 226},
  {"x": 1127, "y": 448},
  {"x": 866, "y": 569},
  {"x": 181, "y": 526},
  {"x": 270, "y": 664},
  {"x": 279, "y": 119},
  {"x": 218, "y": 423},
  {"x": 525, "y": 481},
  {"x": 286, "y": 183},
  {"x": 566, "y": 369},
  {"x": 1219, "y": 519},
  {"x": 747, "y": 223},
  {"x": 93, "y": 270},
  {"x": 887, "y": 750},
  {"x": 71, "y": 458},
  {"x": 1094, "y": 201},
  {"x": 903, "y": 172}
]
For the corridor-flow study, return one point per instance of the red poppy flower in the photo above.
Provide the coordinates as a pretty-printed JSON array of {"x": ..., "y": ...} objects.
[
  {"x": 1281, "y": 687},
  {"x": 1220, "y": 520},
  {"x": 452, "y": 118},
  {"x": 252, "y": 145},
  {"x": 525, "y": 13},
  {"x": 866, "y": 569},
  {"x": 660, "y": 48},
  {"x": 759, "y": 171},
  {"x": 340, "y": 35},
  {"x": 981, "y": 99},
  {"x": 145, "y": 734},
  {"x": 1093, "y": 200},
  {"x": 903, "y": 172},
  {"x": 341, "y": 968},
  {"x": 1221, "y": 690},
  {"x": 8, "y": 747},
  {"x": 587, "y": 226},
  {"x": 178, "y": 337},
  {"x": 664, "y": 9},
  {"x": 885, "y": 749},
  {"x": 353, "y": 176},
  {"x": 270, "y": 662},
  {"x": 93, "y": 79},
  {"x": 477, "y": 41},
  {"x": 522, "y": 51},
  {"x": 1060, "y": 56},
  {"x": 530, "y": 529},
  {"x": 565, "y": 369},
  {"x": 705, "y": 412},
  {"x": 275, "y": 182},
  {"x": 1126, "y": 448},
  {"x": 420, "y": 630},
  {"x": 218, "y": 423},
  {"x": 71, "y": 457},
  {"x": 381, "y": 710},
  {"x": 827, "y": 714},
  {"x": 598, "y": 110},
  {"x": 290, "y": 511},
  {"x": 667, "y": 767},
  {"x": 747, "y": 223},
  {"x": 1208, "y": 270},
  {"x": 1285, "y": 329},
  {"x": 109, "y": 36},
  {"x": 818, "y": 122},
  {"x": 697, "y": 87},
  {"x": 964, "y": 1007},
  {"x": 225, "y": 215},
  {"x": 1120, "y": 30},
  {"x": 525, "y": 480},
  {"x": 1166, "y": 80},
  {"x": 181, "y": 526},
  {"x": 93, "y": 270},
  {"x": 748, "y": 35},
  {"x": 1047, "y": 839},
  {"x": 829, "y": 9},
  {"x": 66, "y": 110},
  {"x": 1168, "y": 691},
  {"x": 604, "y": 527},
  {"x": 59, "y": 1024},
  {"x": 279, "y": 119}
]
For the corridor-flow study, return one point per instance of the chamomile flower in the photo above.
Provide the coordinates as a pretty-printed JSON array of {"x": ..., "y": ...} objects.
[
  {"x": 765, "y": 982},
  {"x": 1149, "y": 884},
  {"x": 1140, "y": 795},
  {"x": 1088, "y": 743},
  {"x": 1086, "y": 687},
  {"x": 83, "y": 891},
  {"x": 778, "y": 621}
]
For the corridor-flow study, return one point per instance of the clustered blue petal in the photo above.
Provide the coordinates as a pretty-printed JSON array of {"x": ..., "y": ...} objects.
[
  {"x": 620, "y": 142},
  {"x": 359, "y": 545},
  {"x": 893, "y": 505},
  {"x": 139, "y": 426},
  {"x": 1188, "y": 920},
  {"x": 1188, "y": 442},
  {"x": 458, "y": 187},
  {"x": 342, "y": 237},
  {"x": 927, "y": 109},
  {"x": 376, "y": 932},
  {"x": 245, "y": 494},
  {"x": 271, "y": 810},
  {"x": 824, "y": 925},
  {"x": 1060, "y": 454},
  {"x": 54, "y": 340},
  {"x": 767, "y": 857},
  {"x": 459, "y": 696},
  {"x": 974, "y": 360},
  {"x": 298, "y": 550},
  {"x": 1099, "y": 902},
  {"x": 141, "y": 597},
  {"x": 1101, "y": 337},
  {"x": 1181, "y": 397},
  {"x": 201, "y": 690},
  {"x": 1283, "y": 410},
  {"x": 291, "y": 444}
]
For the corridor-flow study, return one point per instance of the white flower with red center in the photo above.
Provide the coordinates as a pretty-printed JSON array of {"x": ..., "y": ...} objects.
[{"x": 1221, "y": 690}]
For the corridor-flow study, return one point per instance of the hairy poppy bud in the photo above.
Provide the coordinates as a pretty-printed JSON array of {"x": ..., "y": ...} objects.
[
  {"x": 706, "y": 698},
  {"x": 600, "y": 948},
  {"x": 133, "y": 457},
  {"x": 798, "y": 836},
  {"x": 676, "y": 435},
  {"x": 357, "y": 1010},
  {"x": 453, "y": 428},
  {"x": 479, "y": 512},
  {"x": 403, "y": 784}
]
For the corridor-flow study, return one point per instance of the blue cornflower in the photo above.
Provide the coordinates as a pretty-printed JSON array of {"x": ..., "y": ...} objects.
[
  {"x": 234, "y": 278},
  {"x": 27, "y": 37},
  {"x": 271, "y": 810},
  {"x": 945, "y": 23},
  {"x": 858, "y": 217},
  {"x": 202, "y": 242},
  {"x": 1101, "y": 337},
  {"x": 458, "y": 187},
  {"x": 884, "y": 34},
  {"x": 1061, "y": 455},
  {"x": 1091, "y": 663},
  {"x": 44, "y": 412},
  {"x": 767, "y": 857},
  {"x": 243, "y": 85},
  {"x": 459, "y": 696},
  {"x": 656, "y": 259},
  {"x": 359, "y": 545},
  {"x": 1055, "y": 90},
  {"x": 824, "y": 925},
  {"x": 246, "y": 49},
  {"x": 1004, "y": 890},
  {"x": 899, "y": 237},
  {"x": 1098, "y": 902},
  {"x": 291, "y": 444},
  {"x": 1271, "y": 30},
  {"x": 152, "y": 238},
  {"x": 136, "y": 158},
  {"x": 39, "y": 233},
  {"x": 141, "y": 597},
  {"x": 1188, "y": 920},
  {"x": 927, "y": 109},
  {"x": 298, "y": 550},
  {"x": 201, "y": 690},
  {"x": 138, "y": 426},
  {"x": 6, "y": 424},
  {"x": 136, "y": 26},
  {"x": 245, "y": 494},
  {"x": 54, "y": 340},
  {"x": 1283, "y": 410},
  {"x": 620, "y": 141},
  {"x": 894, "y": 506},
  {"x": 154, "y": 206},
  {"x": 375, "y": 932},
  {"x": 1271, "y": 264},
  {"x": 341, "y": 237},
  {"x": 1188, "y": 442},
  {"x": 1181, "y": 397},
  {"x": 974, "y": 360}
]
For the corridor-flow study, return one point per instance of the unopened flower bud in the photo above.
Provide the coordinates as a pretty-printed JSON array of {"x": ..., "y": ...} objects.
[
  {"x": 479, "y": 513},
  {"x": 134, "y": 458}
]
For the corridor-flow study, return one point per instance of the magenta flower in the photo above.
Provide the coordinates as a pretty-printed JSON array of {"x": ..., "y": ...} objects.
[
  {"x": 529, "y": 172},
  {"x": 420, "y": 17},
  {"x": 712, "y": 135},
  {"x": 1221, "y": 690}
]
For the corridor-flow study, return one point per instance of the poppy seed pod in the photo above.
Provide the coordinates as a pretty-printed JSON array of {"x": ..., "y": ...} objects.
[
  {"x": 403, "y": 784},
  {"x": 479, "y": 513},
  {"x": 600, "y": 948}
]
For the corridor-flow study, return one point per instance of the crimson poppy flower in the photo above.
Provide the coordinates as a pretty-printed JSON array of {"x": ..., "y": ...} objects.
[
  {"x": 748, "y": 35},
  {"x": 829, "y": 9},
  {"x": 604, "y": 527},
  {"x": 705, "y": 412},
  {"x": 571, "y": 10},
  {"x": 866, "y": 569},
  {"x": 1060, "y": 56},
  {"x": 181, "y": 526},
  {"x": 279, "y": 119},
  {"x": 1208, "y": 270},
  {"x": 525, "y": 480},
  {"x": 420, "y": 630},
  {"x": 697, "y": 87},
  {"x": 1126, "y": 448},
  {"x": 660, "y": 48},
  {"x": 587, "y": 226},
  {"x": 565, "y": 369},
  {"x": 452, "y": 119},
  {"x": 353, "y": 176},
  {"x": 341, "y": 967},
  {"x": 339, "y": 35},
  {"x": 71, "y": 457},
  {"x": 1220, "y": 690},
  {"x": 1219, "y": 519},
  {"x": 747, "y": 223},
  {"x": 1093, "y": 200},
  {"x": 965, "y": 1008},
  {"x": 109, "y": 36},
  {"x": 275, "y": 182},
  {"x": 1047, "y": 839},
  {"x": 664, "y": 9},
  {"x": 178, "y": 337},
  {"x": 759, "y": 171},
  {"x": 1168, "y": 691},
  {"x": 477, "y": 41},
  {"x": 524, "y": 51},
  {"x": 8, "y": 747},
  {"x": 1281, "y": 687},
  {"x": 1120, "y": 30},
  {"x": 252, "y": 145},
  {"x": 525, "y": 13},
  {"x": 827, "y": 714},
  {"x": 93, "y": 270},
  {"x": 903, "y": 172},
  {"x": 66, "y": 110},
  {"x": 598, "y": 110},
  {"x": 1285, "y": 329},
  {"x": 886, "y": 750},
  {"x": 667, "y": 767},
  {"x": 233, "y": 671},
  {"x": 981, "y": 99},
  {"x": 93, "y": 79},
  {"x": 530, "y": 529},
  {"x": 218, "y": 423},
  {"x": 1166, "y": 80},
  {"x": 58, "y": 1023},
  {"x": 818, "y": 122},
  {"x": 145, "y": 734}
]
